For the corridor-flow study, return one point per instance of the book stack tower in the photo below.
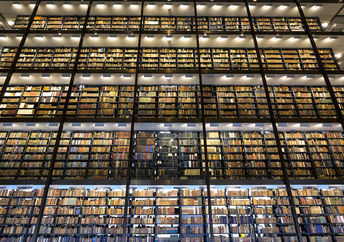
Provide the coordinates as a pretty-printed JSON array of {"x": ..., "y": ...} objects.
[{"x": 182, "y": 121}]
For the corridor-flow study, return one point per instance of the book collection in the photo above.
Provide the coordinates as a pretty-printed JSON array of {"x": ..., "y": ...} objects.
[
  {"x": 92, "y": 155},
  {"x": 82, "y": 213},
  {"x": 177, "y": 212},
  {"x": 111, "y": 58},
  {"x": 101, "y": 101},
  {"x": 19, "y": 209},
  {"x": 33, "y": 101},
  {"x": 26, "y": 154},
  {"x": 301, "y": 102},
  {"x": 320, "y": 212},
  {"x": 339, "y": 93},
  {"x": 167, "y": 23},
  {"x": 167, "y": 101},
  {"x": 172, "y": 155},
  {"x": 242, "y": 155},
  {"x": 172, "y": 121},
  {"x": 314, "y": 155}
]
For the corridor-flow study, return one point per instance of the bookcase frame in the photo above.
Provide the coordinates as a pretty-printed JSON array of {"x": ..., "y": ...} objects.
[{"x": 200, "y": 101}]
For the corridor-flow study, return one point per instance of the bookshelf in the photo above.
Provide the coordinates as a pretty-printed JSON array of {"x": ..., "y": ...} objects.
[
  {"x": 168, "y": 101},
  {"x": 301, "y": 102},
  {"x": 285, "y": 24},
  {"x": 21, "y": 22},
  {"x": 242, "y": 101},
  {"x": 175, "y": 213},
  {"x": 108, "y": 58},
  {"x": 86, "y": 101},
  {"x": 83, "y": 213},
  {"x": 319, "y": 211},
  {"x": 92, "y": 155},
  {"x": 187, "y": 99},
  {"x": 296, "y": 59},
  {"x": 339, "y": 93},
  {"x": 313, "y": 155},
  {"x": 33, "y": 101},
  {"x": 167, "y": 214},
  {"x": 210, "y": 103},
  {"x": 167, "y": 154},
  {"x": 19, "y": 211},
  {"x": 251, "y": 213},
  {"x": 135, "y": 158},
  {"x": 168, "y": 23},
  {"x": 26, "y": 154},
  {"x": 178, "y": 101},
  {"x": 7, "y": 57},
  {"x": 45, "y": 57},
  {"x": 242, "y": 155},
  {"x": 116, "y": 23},
  {"x": 53, "y": 23},
  {"x": 89, "y": 101},
  {"x": 232, "y": 155}
]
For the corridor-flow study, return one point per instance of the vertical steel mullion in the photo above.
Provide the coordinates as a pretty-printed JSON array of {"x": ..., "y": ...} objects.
[
  {"x": 60, "y": 129},
  {"x": 132, "y": 128},
  {"x": 19, "y": 49},
  {"x": 207, "y": 175},
  {"x": 274, "y": 125},
  {"x": 320, "y": 64}
]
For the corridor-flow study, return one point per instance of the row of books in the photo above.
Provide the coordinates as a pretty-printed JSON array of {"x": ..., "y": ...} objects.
[
  {"x": 75, "y": 210},
  {"x": 178, "y": 101},
  {"x": 166, "y": 58},
  {"x": 167, "y": 23},
  {"x": 319, "y": 210},
  {"x": 238, "y": 214},
  {"x": 171, "y": 154},
  {"x": 19, "y": 210},
  {"x": 29, "y": 154},
  {"x": 314, "y": 154},
  {"x": 97, "y": 155},
  {"x": 339, "y": 93}
]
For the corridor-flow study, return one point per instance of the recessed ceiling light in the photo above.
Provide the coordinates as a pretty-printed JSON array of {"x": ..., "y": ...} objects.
[
  {"x": 112, "y": 37},
  {"x": 16, "y": 5},
  {"x": 233, "y": 6},
  {"x": 39, "y": 37},
  {"x": 67, "y": 5},
  {"x": 117, "y": 5},
  {"x": 50, "y": 5},
  {"x": 168, "y": 37}
]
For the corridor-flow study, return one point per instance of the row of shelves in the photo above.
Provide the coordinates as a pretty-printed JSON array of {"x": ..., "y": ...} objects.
[
  {"x": 174, "y": 213},
  {"x": 19, "y": 210},
  {"x": 167, "y": 23},
  {"x": 85, "y": 101},
  {"x": 169, "y": 101},
  {"x": 159, "y": 155},
  {"x": 167, "y": 58}
]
